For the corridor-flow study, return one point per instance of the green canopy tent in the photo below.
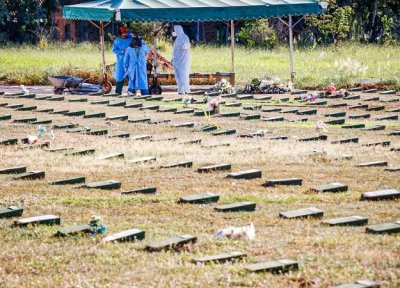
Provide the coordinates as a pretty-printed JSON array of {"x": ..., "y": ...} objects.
[{"x": 191, "y": 11}]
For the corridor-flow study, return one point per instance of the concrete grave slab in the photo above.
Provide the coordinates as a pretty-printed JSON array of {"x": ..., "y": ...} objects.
[
  {"x": 245, "y": 206},
  {"x": 200, "y": 198},
  {"x": 38, "y": 220},
  {"x": 302, "y": 213},
  {"x": 11, "y": 211},
  {"x": 347, "y": 221},
  {"x": 171, "y": 243},
  {"x": 125, "y": 236},
  {"x": 277, "y": 267}
]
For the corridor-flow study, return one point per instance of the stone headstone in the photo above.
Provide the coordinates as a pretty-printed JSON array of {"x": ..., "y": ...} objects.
[
  {"x": 142, "y": 120},
  {"x": 382, "y": 143},
  {"x": 33, "y": 175},
  {"x": 336, "y": 114},
  {"x": 171, "y": 243},
  {"x": 273, "y": 119},
  {"x": 75, "y": 113},
  {"x": 81, "y": 152},
  {"x": 117, "y": 104},
  {"x": 120, "y": 135},
  {"x": 27, "y": 108},
  {"x": 224, "y": 132},
  {"x": 352, "y": 97},
  {"x": 316, "y": 138},
  {"x": 347, "y": 221},
  {"x": 359, "y": 106},
  {"x": 371, "y": 99},
  {"x": 353, "y": 126},
  {"x": 105, "y": 185},
  {"x": 42, "y": 122},
  {"x": 212, "y": 168},
  {"x": 388, "y": 92},
  {"x": 67, "y": 125},
  {"x": 372, "y": 164},
  {"x": 370, "y": 91},
  {"x": 331, "y": 187},
  {"x": 387, "y": 194},
  {"x": 196, "y": 141},
  {"x": 58, "y": 112},
  {"x": 286, "y": 182},
  {"x": 100, "y": 102},
  {"x": 125, "y": 236},
  {"x": 245, "y": 206},
  {"x": 318, "y": 103},
  {"x": 282, "y": 137},
  {"x": 208, "y": 128},
  {"x": 395, "y": 133},
  {"x": 384, "y": 228},
  {"x": 220, "y": 258},
  {"x": 5, "y": 117},
  {"x": 339, "y": 104},
  {"x": 25, "y": 120},
  {"x": 184, "y": 125},
  {"x": 39, "y": 220},
  {"x": 184, "y": 111},
  {"x": 14, "y": 106},
  {"x": 74, "y": 230},
  {"x": 374, "y": 128},
  {"x": 162, "y": 121},
  {"x": 247, "y": 174},
  {"x": 203, "y": 112},
  {"x": 302, "y": 213},
  {"x": 56, "y": 98},
  {"x": 390, "y": 117},
  {"x": 233, "y": 104},
  {"x": 140, "y": 137},
  {"x": 47, "y": 110},
  {"x": 78, "y": 100},
  {"x": 355, "y": 89},
  {"x": 200, "y": 198},
  {"x": 143, "y": 160},
  {"x": 98, "y": 132},
  {"x": 45, "y": 97},
  {"x": 79, "y": 130},
  {"x": 271, "y": 109},
  {"x": 164, "y": 139},
  {"x": 118, "y": 117},
  {"x": 244, "y": 97},
  {"x": 11, "y": 141},
  {"x": 11, "y": 211},
  {"x": 288, "y": 111},
  {"x": 394, "y": 110},
  {"x": 392, "y": 100},
  {"x": 376, "y": 108},
  {"x": 145, "y": 190},
  {"x": 134, "y": 105},
  {"x": 13, "y": 170},
  {"x": 277, "y": 266},
  {"x": 360, "y": 284},
  {"x": 252, "y": 107},
  {"x": 185, "y": 164},
  {"x": 150, "y": 107},
  {"x": 393, "y": 169},
  {"x": 335, "y": 122},
  {"x": 307, "y": 112},
  {"x": 346, "y": 140},
  {"x": 175, "y": 99},
  {"x": 74, "y": 180}
]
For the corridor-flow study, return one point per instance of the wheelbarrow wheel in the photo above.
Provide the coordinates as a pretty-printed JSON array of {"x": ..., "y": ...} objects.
[
  {"x": 106, "y": 86},
  {"x": 155, "y": 89}
]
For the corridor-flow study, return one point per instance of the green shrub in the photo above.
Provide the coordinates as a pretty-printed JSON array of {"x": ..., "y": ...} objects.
[{"x": 257, "y": 33}]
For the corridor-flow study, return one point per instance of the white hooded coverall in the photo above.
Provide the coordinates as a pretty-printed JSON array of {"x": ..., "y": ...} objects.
[{"x": 181, "y": 59}]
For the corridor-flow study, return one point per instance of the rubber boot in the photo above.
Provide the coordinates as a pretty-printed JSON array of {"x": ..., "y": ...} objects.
[{"x": 118, "y": 87}]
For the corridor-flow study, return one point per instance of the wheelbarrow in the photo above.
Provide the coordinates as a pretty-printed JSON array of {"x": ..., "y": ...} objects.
[{"x": 74, "y": 85}]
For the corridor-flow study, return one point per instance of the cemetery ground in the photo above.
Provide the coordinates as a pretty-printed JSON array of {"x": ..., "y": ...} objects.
[
  {"x": 327, "y": 256},
  {"x": 315, "y": 67}
]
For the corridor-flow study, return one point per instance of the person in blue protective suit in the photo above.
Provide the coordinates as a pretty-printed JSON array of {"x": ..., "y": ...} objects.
[
  {"x": 136, "y": 66},
  {"x": 181, "y": 59},
  {"x": 119, "y": 47}
]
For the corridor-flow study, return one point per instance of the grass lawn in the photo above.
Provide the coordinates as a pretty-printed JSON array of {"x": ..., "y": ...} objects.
[
  {"x": 314, "y": 67},
  {"x": 328, "y": 256}
]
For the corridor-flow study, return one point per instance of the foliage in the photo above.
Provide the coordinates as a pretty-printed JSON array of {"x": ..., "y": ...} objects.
[{"x": 257, "y": 33}]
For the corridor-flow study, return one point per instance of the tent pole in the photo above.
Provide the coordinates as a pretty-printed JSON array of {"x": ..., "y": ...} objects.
[
  {"x": 155, "y": 50},
  {"x": 233, "y": 49},
  {"x": 102, "y": 48},
  {"x": 291, "y": 49}
]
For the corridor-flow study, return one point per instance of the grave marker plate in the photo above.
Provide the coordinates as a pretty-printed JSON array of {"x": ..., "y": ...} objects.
[
  {"x": 247, "y": 174},
  {"x": 337, "y": 105},
  {"x": 118, "y": 117},
  {"x": 27, "y": 108},
  {"x": 346, "y": 140},
  {"x": 25, "y": 120},
  {"x": 347, "y": 221},
  {"x": 352, "y": 97},
  {"x": 335, "y": 122},
  {"x": 387, "y": 194},
  {"x": 233, "y": 104},
  {"x": 288, "y": 111},
  {"x": 120, "y": 135},
  {"x": 185, "y": 164},
  {"x": 316, "y": 138},
  {"x": 376, "y": 108},
  {"x": 388, "y": 92},
  {"x": 100, "y": 102},
  {"x": 75, "y": 113},
  {"x": 287, "y": 182},
  {"x": 42, "y": 122},
  {"x": 167, "y": 109},
  {"x": 105, "y": 185},
  {"x": 273, "y": 119},
  {"x": 224, "y": 132},
  {"x": 359, "y": 106},
  {"x": 244, "y": 97},
  {"x": 171, "y": 243},
  {"x": 394, "y": 133},
  {"x": 56, "y": 98},
  {"x": 360, "y": 284},
  {"x": 184, "y": 111},
  {"x": 208, "y": 128},
  {"x": 220, "y": 258},
  {"x": 39, "y": 220},
  {"x": 11, "y": 141},
  {"x": 184, "y": 125},
  {"x": 253, "y": 108},
  {"x": 370, "y": 90},
  {"x": 98, "y": 132},
  {"x": 317, "y": 103},
  {"x": 393, "y": 110},
  {"x": 146, "y": 190},
  {"x": 117, "y": 104},
  {"x": 125, "y": 236},
  {"x": 78, "y": 100},
  {"x": 81, "y": 152},
  {"x": 150, "y": 107},
  {"x": 203, "y": 112},
  {"x": 331, "y": 187},
  {"x": 143, "y": 120},
  {"x": 65, "y": 125},
  {"x": 374, "y": 128},
  {"x": 11, "y": 211},
  {"x": 212, "y": 168},
  {"x": 336, "y": 114},
  {"x": 278, "y": 266},
  {"x": 140, "y": 137},
  {"x": 13, "y": 170},
  {"x": 302, "y": 213},
  {"x": 74, "y": 230},
  {"x": 372, "y": 164},
  {"x": 384, "y": 228},
  {"x": 271, "y": 109},
  {"x": 78, "y": 130},
  {"x": 393, "y": 169},
  {"x": 307, "y": 112},
  {"x": 143, "y": 160},
  {"x": 355, "y": 89},
  {"x": 154, "y": 98},
  {"x": 134, "y": 105},
  {"x": 390, "y": 117},
  {"x": 383, "y": 143},
  {"x": 200, "y": 198},
  {"x": 14, "y": 106},
  {"x": 245, "y": 206},
  {"x": 47, "y": 110},
  {"x": 229, "y": 114},
  {"x": 371, "y": 99},
  {"x": 33, "y": 175},
  {"x": 278, "y": 138},
  {"x": 353, "y": 126},
  {"x": 59, "y": 112},
  {"x": 5, "y": 117},
  {"x": 75, "y": 180}
]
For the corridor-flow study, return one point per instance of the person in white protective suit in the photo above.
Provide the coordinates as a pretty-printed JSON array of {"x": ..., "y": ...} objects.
[{"x": 181, "y": 59}]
